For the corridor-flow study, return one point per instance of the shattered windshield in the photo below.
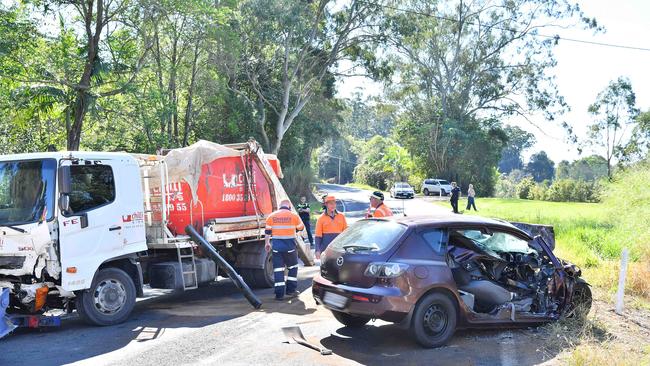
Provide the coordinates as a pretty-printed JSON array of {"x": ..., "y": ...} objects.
[{"x": 26, "y": 191}]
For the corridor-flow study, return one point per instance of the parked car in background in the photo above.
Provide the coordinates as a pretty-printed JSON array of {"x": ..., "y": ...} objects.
[
  {"x": 436, "y": 186},
  {"x": 435, "y": 274},
  {"x": 402, "y": 190}
]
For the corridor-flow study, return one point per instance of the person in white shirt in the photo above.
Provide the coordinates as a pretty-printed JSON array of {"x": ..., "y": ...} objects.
[{"x": 471, "y": 200}]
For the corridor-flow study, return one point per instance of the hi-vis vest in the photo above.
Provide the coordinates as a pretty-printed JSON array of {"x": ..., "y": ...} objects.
[
  {"x": 283, "y": 224},
  {"x": 382, "y": 211}
]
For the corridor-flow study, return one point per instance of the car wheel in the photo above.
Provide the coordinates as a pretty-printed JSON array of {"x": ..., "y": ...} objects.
[
  {"x": 434, "y": 320},
  {"x": 109, "y": 300},
  {"x": 425, "y": 192},
  {"x": 349, "y": 320},
  {"x": 581, "y": 300}
]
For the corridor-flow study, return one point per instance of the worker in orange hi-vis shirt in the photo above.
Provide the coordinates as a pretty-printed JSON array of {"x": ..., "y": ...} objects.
[
  {"x": 329, "y": 225},
  {"x": 281, "y": 228},
  {"x": 377, "y": 207}
]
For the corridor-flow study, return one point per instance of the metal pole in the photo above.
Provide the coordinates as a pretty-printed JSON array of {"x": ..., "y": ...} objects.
[
  {"x": 620, "y": 294},
  {"x": 234, "y": 276},
  {"x": 339, "y": 171}
]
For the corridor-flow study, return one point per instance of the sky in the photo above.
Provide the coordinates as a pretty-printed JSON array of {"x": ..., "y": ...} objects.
[{"x": 582, "y": 71}]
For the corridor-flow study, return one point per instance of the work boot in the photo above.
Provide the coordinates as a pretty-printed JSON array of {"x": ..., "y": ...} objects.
[{"x": 293, "y": 294}]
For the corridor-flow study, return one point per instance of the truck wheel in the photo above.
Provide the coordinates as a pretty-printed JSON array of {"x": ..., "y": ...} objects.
[
  {"x": 434, "y": 320},
  {"x": 109, "y": 300},
  {"x": 426, "y": 191},
  {"x": 259, "y": 277},
  {"x": 349, "y": 320}
]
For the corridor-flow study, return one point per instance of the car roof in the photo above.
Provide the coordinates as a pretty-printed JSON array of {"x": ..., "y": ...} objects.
[{"x": 450, "y": 219}]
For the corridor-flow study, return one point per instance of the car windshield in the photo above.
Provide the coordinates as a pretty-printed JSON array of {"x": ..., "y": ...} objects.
[
  {"x": 26, "y": 191},
  {"x": 498, "y": 242},
  {"x": 369, "y": 236},
  {"x": 443, "y": 182}
]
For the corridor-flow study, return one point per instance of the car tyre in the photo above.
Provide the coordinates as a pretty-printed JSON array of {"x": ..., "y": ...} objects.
[
  {"x": 581, "y": 301},
  {"x": 426, "y": 191},
  {"x": 349, "y": 320},
  {"x": 434, "y": 320},
  {"x": 109, "y": 300}
]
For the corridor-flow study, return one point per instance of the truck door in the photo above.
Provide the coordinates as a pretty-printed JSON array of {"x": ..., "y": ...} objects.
[{"x": 90, "y": 230}]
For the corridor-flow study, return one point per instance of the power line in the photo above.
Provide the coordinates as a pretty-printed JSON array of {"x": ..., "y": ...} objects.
[{"x": 556, "y": 37}]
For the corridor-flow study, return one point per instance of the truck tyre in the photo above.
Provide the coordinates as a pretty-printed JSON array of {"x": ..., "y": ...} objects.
[
  {"x": 434, "y": 320},
  {"x": 109, "y": 300},
  {"x": 259, "y": 277},
  {"x": 349, "y": 320},
  {"x": 426, "y": 191}
]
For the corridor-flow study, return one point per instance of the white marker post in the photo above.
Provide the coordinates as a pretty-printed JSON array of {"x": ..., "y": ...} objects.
[{"x": 620, "y": 294}]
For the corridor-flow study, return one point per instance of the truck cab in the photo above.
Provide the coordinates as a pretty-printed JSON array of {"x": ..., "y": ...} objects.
[{"x": 69, "y": 222}]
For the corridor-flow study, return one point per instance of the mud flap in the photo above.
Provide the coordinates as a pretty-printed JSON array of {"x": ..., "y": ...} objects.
[{"x": 6, "y": 325}]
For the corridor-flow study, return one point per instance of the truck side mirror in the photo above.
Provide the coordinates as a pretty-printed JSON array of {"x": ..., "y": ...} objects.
[
  {"x": 64, "y": 203},
  {"x": 65, "y": 185}
]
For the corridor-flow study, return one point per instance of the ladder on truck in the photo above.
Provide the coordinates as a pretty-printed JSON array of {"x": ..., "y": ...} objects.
[{"x": 158, "y": 234}]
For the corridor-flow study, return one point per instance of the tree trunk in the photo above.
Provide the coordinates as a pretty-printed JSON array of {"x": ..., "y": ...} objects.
[
  {"x": 190, "y": 96},
  {"x": 82, "y": 98}
]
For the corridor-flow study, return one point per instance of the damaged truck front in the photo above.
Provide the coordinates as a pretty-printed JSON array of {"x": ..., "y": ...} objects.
[{"x": 36, "y": 215}]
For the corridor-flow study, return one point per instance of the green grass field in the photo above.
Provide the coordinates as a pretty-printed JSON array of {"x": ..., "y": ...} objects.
[{"x": 586, "y": 234}]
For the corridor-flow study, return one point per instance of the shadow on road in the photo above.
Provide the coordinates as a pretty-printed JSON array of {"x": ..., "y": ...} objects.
[
  {"x": 150, "y": 320},
  {"x": 390, "y": 344}
]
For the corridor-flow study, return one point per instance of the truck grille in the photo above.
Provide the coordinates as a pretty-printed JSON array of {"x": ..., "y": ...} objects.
[{"x": 11, "y": 262}]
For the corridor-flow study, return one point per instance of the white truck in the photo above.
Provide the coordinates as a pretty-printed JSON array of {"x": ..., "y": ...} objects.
[{"x": 87, "y": 230}]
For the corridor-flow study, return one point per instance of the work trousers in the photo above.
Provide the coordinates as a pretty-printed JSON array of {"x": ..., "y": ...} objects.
[
  {"x": 282, "y": 259},
  {"x": 454, "y": 205},
  {"x": 307, "y": 224},
  {"x": 471, "y": 203}
]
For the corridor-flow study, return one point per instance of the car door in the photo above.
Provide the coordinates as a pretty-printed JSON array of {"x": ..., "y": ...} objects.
[{"x": 91, "y": 228}]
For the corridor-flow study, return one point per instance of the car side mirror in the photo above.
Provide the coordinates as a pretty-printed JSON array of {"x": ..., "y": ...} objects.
[{"x": 64, "y": 203}]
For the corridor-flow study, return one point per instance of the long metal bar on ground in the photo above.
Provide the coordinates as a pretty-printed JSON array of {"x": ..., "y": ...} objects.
[{"x": 234, "y": 276}]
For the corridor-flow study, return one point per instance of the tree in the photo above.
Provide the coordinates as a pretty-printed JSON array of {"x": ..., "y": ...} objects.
[
  {"x": 285, "y": 54},
  {"x": 540, "y": 167},
  {"x": 518, "y": 141},
  {"x": 614, "y": 113},
  {"x": 589, "y": 168}
]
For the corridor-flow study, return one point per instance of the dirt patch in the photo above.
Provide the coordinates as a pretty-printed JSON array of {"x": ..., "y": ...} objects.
[{"x": 601, "y": 338}]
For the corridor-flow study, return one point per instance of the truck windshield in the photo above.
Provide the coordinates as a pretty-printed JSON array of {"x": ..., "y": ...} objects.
[{"x": 26, "y": 191}]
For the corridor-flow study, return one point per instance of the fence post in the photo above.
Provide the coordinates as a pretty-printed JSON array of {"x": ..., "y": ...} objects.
[{"x": 620, "y": 294}]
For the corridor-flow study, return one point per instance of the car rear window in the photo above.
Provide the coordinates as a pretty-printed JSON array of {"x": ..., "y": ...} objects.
[{"x": 369, "y": 236}]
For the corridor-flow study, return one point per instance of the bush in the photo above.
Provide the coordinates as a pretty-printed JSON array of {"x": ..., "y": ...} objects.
[
  {"x": 415, "y": 181},
  {"x": 297, "y": 180},
  {"x": 524, "y": 187},
  {"x": 571, "y": 190}
]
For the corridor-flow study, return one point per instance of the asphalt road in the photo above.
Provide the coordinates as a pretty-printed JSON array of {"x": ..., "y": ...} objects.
[{"x": 215, "y": 325}]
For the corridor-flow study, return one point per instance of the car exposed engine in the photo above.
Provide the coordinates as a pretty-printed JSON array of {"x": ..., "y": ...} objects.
[{"x": 495, "y": 280}]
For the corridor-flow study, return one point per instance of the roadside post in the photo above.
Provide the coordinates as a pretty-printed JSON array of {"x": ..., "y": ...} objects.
[{"x": 620, "y": 294}]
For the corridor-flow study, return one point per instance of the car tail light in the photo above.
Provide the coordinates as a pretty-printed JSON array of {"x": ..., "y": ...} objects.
[{"x": 385, "y": 269}]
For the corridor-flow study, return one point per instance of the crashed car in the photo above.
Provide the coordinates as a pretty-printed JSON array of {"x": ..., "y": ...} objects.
[{"x": 436, "y": 274}]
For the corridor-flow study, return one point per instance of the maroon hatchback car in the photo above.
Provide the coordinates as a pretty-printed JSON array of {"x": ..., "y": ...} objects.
[{"x": 435, "y": 274}]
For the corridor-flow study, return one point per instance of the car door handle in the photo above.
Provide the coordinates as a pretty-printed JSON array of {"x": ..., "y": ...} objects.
[{"x": 113, "y": 228}]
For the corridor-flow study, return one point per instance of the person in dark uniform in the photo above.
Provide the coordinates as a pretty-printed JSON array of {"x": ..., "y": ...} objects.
[
  {"x": 305, "y": 212},
  {"x": 281, "y": 226},
  {"x": 455, "y": 196}
]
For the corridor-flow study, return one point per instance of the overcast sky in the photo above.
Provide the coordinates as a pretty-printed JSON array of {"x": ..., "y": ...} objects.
[{"x": 582, "y": 71}]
